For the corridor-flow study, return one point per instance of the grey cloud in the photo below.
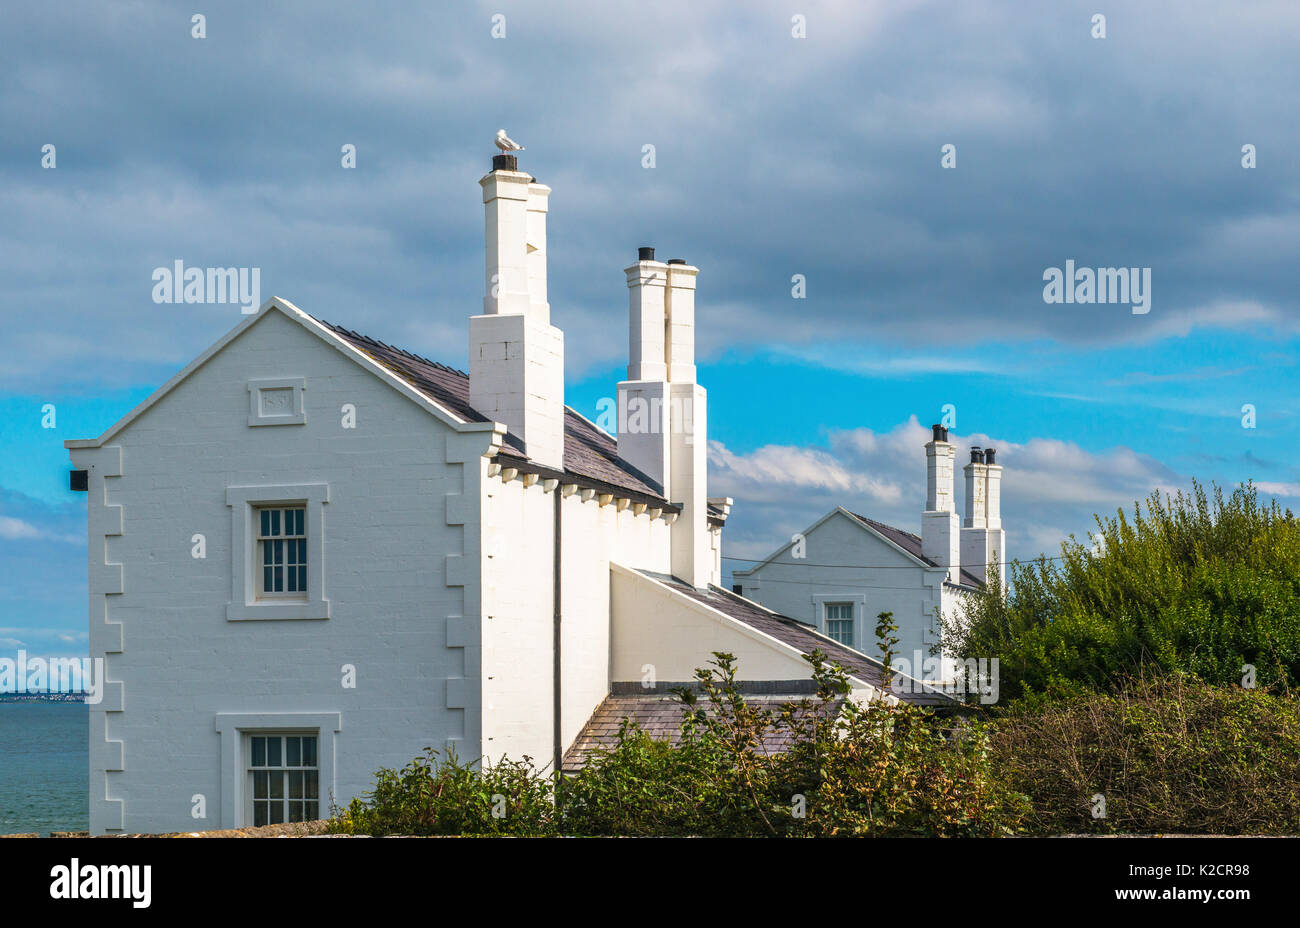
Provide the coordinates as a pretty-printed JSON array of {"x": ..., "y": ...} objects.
[{"x": 775, "y": 156}]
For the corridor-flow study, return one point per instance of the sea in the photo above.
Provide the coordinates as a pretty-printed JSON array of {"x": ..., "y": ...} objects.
[{"x": 44, "y": 767}]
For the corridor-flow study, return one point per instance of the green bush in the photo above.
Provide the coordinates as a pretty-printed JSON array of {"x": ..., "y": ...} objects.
[
  {"x": 870, "y": 769},
  {"x": 1170, "y": 754},
  {"x": 1195, "y": 584},
  {"x": 452, "y": 798},
  {"x": 893, "y": 772}
]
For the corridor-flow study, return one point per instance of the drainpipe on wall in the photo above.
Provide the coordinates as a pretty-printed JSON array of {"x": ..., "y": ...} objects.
[{"x": 555, "y": 582}]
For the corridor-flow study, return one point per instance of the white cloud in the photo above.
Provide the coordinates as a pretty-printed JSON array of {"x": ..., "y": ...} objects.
[
  {"x": 1050, "y": 488},
  {"x": 1279, "y": 489},
  {"x": 16, "y": 528}
]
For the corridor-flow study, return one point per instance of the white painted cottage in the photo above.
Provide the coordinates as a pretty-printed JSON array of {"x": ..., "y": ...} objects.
[
  {"x": 845, "y": 569},
  {"x": 313, "y": 554}
]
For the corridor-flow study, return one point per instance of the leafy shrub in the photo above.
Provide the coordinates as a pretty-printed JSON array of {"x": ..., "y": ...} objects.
[
  {"x": 891, "y": 771},
  {"x": 1170, "y": 754},
  {"x": 1196, "y": 584},
  {"x": 871, "y": 769},
  {"x": 452, "y": 798}
]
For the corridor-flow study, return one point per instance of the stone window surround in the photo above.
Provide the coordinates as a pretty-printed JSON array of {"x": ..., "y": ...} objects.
[
  {"x": 859, "y": 601},
  {"x": 234, "y": 727},
  {"x": 244, "y": 605}
]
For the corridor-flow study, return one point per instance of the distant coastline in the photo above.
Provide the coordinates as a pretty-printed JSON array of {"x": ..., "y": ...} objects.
[{"x": 42, "y": 697}]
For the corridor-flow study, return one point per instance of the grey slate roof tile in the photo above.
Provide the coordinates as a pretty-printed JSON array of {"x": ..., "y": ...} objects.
[
  {"x": 799, "y": 635},
  {"x": 588, "y": 451},
  {"x": 912, "y": 545},
  {"x": 659, "y": 715}
]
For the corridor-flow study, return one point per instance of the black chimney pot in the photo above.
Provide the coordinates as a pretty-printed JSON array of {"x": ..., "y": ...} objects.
[
  {"x": 988, "y": 455},
  {"x": 505, "y": 163},
  {"x": 976, "y": 455},
  {"x": 940, "y": 432},
  {"x": 645, "y": 253},
  {"x": 676, "y": 260}
]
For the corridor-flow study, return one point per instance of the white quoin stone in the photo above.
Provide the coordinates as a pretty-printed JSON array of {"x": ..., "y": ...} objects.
[
  {"x": 516, "y": 357},
  {"x": 679, "y": 312},
  {"x": 940, "y": 526}
]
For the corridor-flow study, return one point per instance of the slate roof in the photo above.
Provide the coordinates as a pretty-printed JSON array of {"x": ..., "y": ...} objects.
[
  {"x": 588, "y": 451},
  {"x": 659, "y": 715},
  {"x": 800, "y": 635},
  {"x": 912, "y": 545}
]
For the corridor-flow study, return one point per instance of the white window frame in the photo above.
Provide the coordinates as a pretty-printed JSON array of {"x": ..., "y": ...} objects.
[
  {"x": 257, "y": 414},
  {"x": 246, "y": 739},
  {"x": 859, "y": 602},
  {"x": 259, "y": 552},
  {"x": 852, "y": 619},
  {"x": 246, "y": 603},
  {"x": 235, "y": 729}
]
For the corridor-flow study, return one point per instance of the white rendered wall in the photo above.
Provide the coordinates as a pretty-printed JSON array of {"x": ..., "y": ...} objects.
[
  {"x": 402, "y": 593},
  {"x": 656, "y": 626},
  {"x": 862, "y": 569},
  {"x": 519, "y": 613}
]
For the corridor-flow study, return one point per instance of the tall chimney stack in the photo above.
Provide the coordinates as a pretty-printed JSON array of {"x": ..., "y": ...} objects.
[
  {"x": 982, "y": 539},
  {"x": 516, "y": 357},
  {"x": 662, "y": 411},
  {"x": 643, "y": 399},
  {"x": 692, "y": 548},
  {"x": 940, "y": 527},
  {"x": 974, "y": 533},
  {"x": 997, "y": 544}
]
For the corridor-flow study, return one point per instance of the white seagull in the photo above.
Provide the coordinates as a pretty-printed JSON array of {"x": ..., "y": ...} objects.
[{"x": 506, "y": 143}]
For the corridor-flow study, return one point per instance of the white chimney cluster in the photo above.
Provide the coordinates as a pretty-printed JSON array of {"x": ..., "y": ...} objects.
[
  {"x": 516, "y": 357},
  {"x": 978, "y": 541},
  {"x": 982, "y": 538},
  {"x": 662, "y": 420},
  {"x": 516, "y": 362}
]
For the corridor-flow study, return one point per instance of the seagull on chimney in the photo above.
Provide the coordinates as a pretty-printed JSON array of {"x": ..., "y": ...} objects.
[{"x": 506, "y": 143}]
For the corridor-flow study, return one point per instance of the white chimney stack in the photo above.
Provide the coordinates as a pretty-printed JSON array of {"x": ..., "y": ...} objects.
[
  {"x": 997, "y": 545},
  {"x": 940, "y": 527},
  {"x": 516, "y": 357},
  {"x": 974, "y": 532},
  {"x": 982, "y": 538},
  {"x": 662, "y": 411},
  {"x": 643, "y": 399}
]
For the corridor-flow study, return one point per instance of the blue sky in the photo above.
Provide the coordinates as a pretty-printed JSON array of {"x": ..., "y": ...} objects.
[{"x": 774, "y": 156}]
